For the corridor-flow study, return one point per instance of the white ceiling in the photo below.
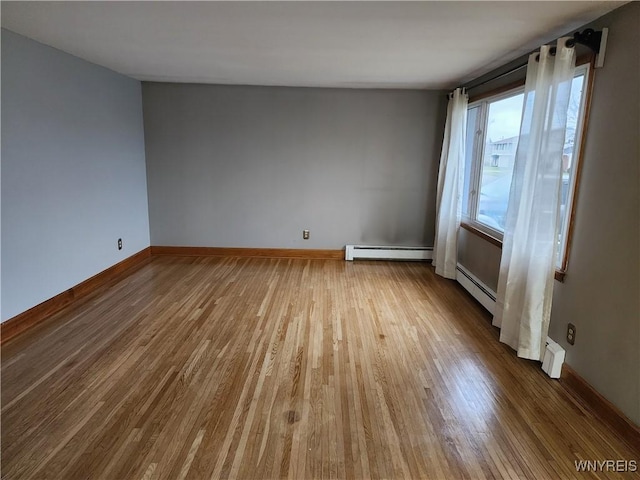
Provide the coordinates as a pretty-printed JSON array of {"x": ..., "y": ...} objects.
[{"x": 330, "y": 44}]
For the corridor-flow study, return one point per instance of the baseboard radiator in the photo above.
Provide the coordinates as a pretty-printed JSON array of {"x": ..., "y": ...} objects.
[
  {"x": 554, "y": 354},
  {"x": 476, "y": 288},
  {"x": 370, "y": 252}
]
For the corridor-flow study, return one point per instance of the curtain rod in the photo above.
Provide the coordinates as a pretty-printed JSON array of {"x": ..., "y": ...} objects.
[{"x": 588, "y": 38}]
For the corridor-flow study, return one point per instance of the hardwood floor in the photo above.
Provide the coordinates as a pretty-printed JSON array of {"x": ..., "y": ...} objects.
[{"x": 253, "y": 368}]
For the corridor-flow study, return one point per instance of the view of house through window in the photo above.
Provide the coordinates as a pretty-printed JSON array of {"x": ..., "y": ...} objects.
[
  {"x": 493, "y": 127},
  {"x": 503, "y": 126}
]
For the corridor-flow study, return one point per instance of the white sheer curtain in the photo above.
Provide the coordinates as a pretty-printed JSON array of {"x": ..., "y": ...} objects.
[
  {"x": 450, "y": 181},
  {"x": 525, "y": 285}
]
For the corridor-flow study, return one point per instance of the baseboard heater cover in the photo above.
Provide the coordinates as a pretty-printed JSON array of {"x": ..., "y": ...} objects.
[
  {"x": 553, "y": 359},
  {"x": 476, "y": 288},
  {"x": 372, "y": 252},
  {"x": 554, "y": 354}
]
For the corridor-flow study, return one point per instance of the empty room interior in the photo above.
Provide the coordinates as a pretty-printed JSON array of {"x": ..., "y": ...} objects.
[{"x": 312, "y": 240}]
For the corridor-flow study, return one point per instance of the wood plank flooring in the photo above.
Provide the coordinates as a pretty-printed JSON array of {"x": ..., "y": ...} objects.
[{"x": 205, "y": 367}]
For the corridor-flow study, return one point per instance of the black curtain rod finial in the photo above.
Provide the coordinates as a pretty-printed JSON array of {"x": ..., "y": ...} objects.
[{"x": 590, "y": 38}]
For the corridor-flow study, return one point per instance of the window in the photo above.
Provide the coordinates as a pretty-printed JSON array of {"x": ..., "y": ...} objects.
[{"x": 493, "y": 126}]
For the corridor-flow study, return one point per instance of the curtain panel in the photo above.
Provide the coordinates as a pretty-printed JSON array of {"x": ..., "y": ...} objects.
[
  {"x": 527, "y": 267},
  {"x": 450, "y": 182}
]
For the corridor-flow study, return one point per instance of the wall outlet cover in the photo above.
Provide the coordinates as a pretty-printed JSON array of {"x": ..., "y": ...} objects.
[{"x": 571, "y": 333}]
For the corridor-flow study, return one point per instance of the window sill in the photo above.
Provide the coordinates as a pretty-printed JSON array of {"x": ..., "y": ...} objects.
[
  {"x": 476, "y": 231},
  {"x": 559, "y": 274}
]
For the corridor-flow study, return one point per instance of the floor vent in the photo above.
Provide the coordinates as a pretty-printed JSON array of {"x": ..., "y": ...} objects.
[{"x": 353, "y": 252}]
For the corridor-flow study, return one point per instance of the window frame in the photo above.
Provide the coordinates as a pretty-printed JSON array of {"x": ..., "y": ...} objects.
[
  {"x": 470, "y": 223},
  {"x": 579, "y": 144},
  {"x": 479, "y": 145}
]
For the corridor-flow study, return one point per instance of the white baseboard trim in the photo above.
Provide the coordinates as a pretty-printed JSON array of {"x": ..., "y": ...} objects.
[{"x": 476, "y": 288}]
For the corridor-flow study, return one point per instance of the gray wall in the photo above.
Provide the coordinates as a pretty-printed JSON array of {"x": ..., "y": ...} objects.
[
  {"x": 601, "y": 292},
  {"x": 240, "y": 166},
  {"x": 479, "y": 257},
  {"x": 73, "y": 171}
]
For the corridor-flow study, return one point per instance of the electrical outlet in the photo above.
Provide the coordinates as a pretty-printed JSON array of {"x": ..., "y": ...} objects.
[
  {"x": 571, "y": 333},
  {"x": 305, "y": 234},
  {"x": 119, "y": 244}
]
